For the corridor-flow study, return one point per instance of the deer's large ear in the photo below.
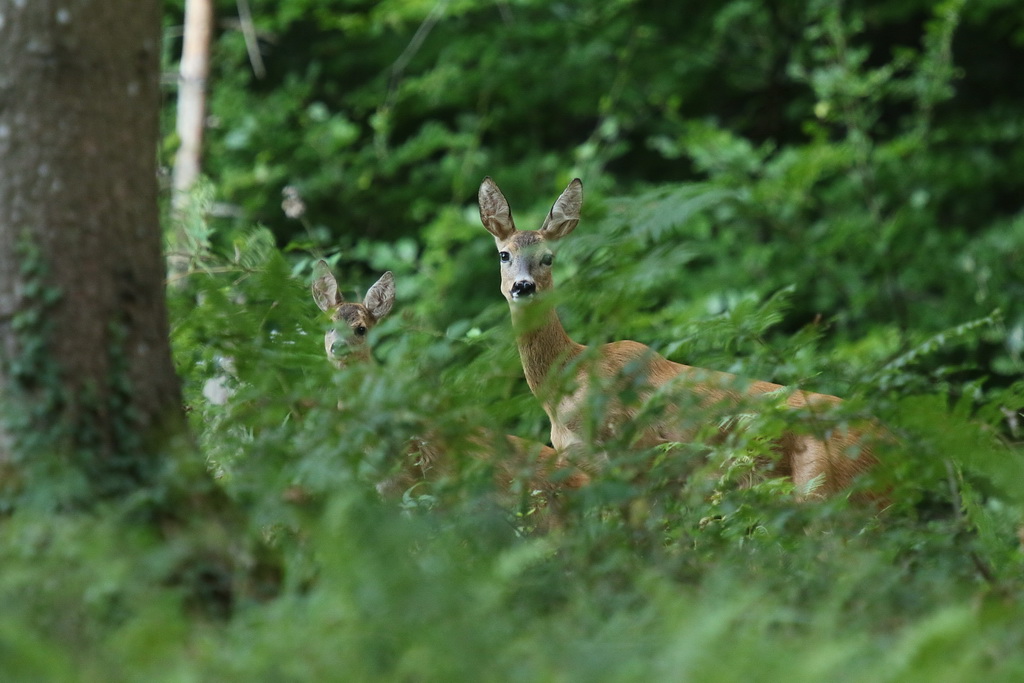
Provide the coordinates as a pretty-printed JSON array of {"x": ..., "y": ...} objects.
[
  {"x": 381, "y": 297},
  {"x": 325, "y": 287},
  {"x": 494, "y": 211},
  {"x": 565, "y": 213}
]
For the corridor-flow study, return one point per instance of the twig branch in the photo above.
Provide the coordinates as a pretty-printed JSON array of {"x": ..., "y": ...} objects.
[
  {"x": 251, "y": 44},
  {"x": 398, "y": 68}
]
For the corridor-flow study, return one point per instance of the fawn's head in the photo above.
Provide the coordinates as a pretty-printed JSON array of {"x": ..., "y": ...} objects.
[
  {"x": 345, "y": 341},
  {"x": 526, "y": 255}
]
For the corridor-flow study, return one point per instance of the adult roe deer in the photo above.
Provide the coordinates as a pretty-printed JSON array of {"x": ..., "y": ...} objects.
[
  {"x": 347, "y": 339},
  {"x": 817, "y": 465}
]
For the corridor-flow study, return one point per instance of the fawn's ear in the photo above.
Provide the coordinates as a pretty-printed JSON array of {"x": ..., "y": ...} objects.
[
  {"x": 494, "y": 211},
  {"x": 325, "y": 287},
  {"x": 565, "y": 213},
  {"x": 381, "y": 297}
]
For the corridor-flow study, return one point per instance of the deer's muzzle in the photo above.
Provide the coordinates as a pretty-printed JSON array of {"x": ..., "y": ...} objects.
[{"x": 523, "y": 288}]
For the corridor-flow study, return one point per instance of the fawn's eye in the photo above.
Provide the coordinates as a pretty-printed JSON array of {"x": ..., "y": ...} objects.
[
  {"x": 504, "y": 256},
  {"x": 546, "y": 259},
  {"x": 361, "y": 331}
]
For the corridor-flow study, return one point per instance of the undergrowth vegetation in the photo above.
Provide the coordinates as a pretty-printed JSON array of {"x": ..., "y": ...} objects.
[
  {"x": 840, "y": 258},
  {"x": 667, "y": 566}
]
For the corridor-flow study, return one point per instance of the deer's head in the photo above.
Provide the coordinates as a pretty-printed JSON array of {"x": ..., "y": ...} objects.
[
  {"x": 526, "y": 255},
  {"x": 345, "y": 340}
]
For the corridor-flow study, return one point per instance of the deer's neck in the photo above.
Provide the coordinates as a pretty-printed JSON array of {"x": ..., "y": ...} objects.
[{"x": 544, "y": 346}]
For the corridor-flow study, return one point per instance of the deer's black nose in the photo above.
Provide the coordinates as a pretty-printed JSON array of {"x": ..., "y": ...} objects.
[{"x": 523, "y": 288}]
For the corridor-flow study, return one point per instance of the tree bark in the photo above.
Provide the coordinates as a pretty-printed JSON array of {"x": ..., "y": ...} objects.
[
  {"x": 191, "y": 119},
  {"x": 86, "y": 377}
]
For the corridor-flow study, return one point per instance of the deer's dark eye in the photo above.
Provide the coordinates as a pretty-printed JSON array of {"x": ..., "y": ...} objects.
[
  {"x": 546, "y": 259},
  {"x": 361, "y": 331},
  {"x": 504, "y": 256}
]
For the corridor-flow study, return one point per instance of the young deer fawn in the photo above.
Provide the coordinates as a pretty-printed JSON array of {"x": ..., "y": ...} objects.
[
  {"x": 510, "y": 455},
  {"x": 346, "y": 338},
  {"x": 817, "y": 465}
]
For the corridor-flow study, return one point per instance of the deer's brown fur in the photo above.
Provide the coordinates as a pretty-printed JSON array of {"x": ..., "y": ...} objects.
[{"x": 826, "y": 463}]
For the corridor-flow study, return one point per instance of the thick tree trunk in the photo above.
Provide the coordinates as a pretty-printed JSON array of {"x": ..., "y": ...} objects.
[{"x": 86, "y": 378}]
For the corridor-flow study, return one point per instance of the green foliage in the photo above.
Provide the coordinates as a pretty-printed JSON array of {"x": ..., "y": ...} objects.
[
  {"x": 865, "y": 153},
  {"x": 821, "y": 195},
  {"x": 34, "y": 391},
  {"x": 672, "y": 563}
]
